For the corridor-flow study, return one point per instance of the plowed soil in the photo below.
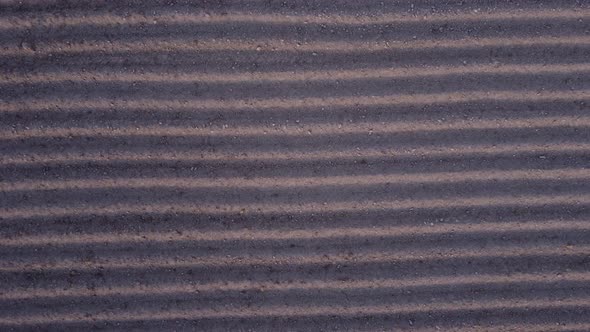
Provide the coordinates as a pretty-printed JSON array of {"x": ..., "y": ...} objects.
[{"x": 297, "y": 165}]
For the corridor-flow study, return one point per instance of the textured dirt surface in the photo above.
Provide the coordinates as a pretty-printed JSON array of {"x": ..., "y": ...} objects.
[{"x": 297, "y": 165}]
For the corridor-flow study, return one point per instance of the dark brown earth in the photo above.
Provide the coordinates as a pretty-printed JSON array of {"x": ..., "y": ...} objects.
[{"x": 297, "y": 165}]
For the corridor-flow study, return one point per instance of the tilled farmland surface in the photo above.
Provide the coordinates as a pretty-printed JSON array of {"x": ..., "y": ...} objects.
[{"x": 295, "y": 165}]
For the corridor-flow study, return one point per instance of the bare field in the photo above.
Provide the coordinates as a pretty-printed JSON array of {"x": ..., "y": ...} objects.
[{"x": 300, "y": 165}]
